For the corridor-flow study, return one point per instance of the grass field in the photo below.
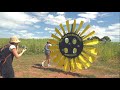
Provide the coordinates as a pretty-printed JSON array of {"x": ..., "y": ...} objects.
[{"x": 107, "y": 64}]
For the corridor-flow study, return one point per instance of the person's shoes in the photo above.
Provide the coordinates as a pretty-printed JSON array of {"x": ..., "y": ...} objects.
[{"x": 43, "y": 64}]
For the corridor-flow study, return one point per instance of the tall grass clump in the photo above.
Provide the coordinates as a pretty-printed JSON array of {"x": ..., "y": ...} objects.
[
  {"x": 108, "y": 50},
  {"x": 3, "y": 41}
]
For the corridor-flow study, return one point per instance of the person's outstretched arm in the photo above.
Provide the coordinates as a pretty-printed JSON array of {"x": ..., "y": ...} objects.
[{"x": 15, "y": 53}]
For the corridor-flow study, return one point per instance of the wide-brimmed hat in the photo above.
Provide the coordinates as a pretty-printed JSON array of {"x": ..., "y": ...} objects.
[{"x": 14, "y": 39}]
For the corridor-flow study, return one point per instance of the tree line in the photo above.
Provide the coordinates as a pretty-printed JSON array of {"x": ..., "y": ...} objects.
[{"x": 104, "y": 39}]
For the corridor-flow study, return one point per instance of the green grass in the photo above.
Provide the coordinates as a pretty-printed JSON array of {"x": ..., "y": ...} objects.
[
  {"x": 35, "y": 46},
  {"x": 109, "y": 50},
  {"x": 109, "y": 54}
]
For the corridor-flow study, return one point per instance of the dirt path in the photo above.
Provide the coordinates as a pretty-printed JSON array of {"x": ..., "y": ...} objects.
[
  {"x": 30, "y": 67},
  {"x": 52, "y": 72}
]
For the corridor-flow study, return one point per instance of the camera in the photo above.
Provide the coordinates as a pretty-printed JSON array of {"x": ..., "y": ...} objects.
[{"x": 24, "y": 47}]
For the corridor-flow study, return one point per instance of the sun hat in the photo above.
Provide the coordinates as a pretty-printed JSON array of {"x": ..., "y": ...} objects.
[{"x": 14, "y": 39}]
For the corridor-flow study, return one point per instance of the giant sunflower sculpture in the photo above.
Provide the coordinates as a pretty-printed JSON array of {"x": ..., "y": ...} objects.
[{"x": 71, "y": 49}]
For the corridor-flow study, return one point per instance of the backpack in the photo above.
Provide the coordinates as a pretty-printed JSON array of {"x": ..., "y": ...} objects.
[{"x": 3, "y": 57}]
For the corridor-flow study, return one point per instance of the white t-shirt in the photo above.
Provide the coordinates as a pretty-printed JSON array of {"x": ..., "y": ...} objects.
[
  {"x": 12, "y": 47},
  {"x": 47, "y": 46}
]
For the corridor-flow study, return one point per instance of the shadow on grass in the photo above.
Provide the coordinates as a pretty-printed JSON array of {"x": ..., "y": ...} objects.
[{"x": 39, "y": 66}]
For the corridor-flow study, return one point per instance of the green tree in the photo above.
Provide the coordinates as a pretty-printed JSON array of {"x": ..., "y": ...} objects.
[
  {"x": 95, "y": 37},
  {"x": 106, "y": 38}
]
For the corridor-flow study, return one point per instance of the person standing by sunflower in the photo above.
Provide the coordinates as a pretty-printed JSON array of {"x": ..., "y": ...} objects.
[{"x": 47, "y": 53}]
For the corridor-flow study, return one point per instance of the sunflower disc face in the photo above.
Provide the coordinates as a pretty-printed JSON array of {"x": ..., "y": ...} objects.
[{"x": 71, "y": 45}]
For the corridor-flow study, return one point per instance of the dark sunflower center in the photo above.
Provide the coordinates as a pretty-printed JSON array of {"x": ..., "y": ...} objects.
[{"x": 71, "y": 45}]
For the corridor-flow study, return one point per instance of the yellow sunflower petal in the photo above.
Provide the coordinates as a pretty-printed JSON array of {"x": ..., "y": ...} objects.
[
  {"x": 72, "y": 64},
  {"x": 91, "y": 42},
  {"x": 86, "y": 28},
  {"x": 67, "y": 65},
  {"x": 89, "y": 35},
  {"x": 56, "y": 37},
  {"x": 54, "y": 47},
  {"x": 90, "y": 58},
  {"x": 57, "y": 58},
  {"x": 85, "y": 63},
  {"x": 61, "y": 62},
  {"x": 62, "y": 28},
  {"x": 57, "y": 31},
  {"x": 93, "y": 50},
  {"x": 78, "y": 64},
  {"x": 55, "y": 52},
  {"x": 68, "y": 26},
  {"x": 74, "y": 25},
  {"x": 80, "y": 26},
  {"x": 52, "y": 41}
]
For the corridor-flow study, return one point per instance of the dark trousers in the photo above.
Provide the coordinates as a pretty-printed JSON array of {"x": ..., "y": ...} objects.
[{"x": 7, "y": 70}]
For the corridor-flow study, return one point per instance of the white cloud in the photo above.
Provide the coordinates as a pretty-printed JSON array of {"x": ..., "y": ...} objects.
[
  {"x": 8, "y": 35},
  {"x": 81, "y": 19},
  {"x": 37, "y": 26},
  {"x": 41, "y": 14},
  {"x": 18, "y": 33},
  {"x": 52, "y": 32},
  {"x": 89, "y": 15},
  {"x": 39, "y": 32},
  {"x": 99, "y": 31},
  {"x": 11, "y": 34},
  {"x": 102, "y": 14},
  {"x": 49, "y": 29},
  {"x": 18, "y": 17},
  {"x": 60, "y": 13},
  {"x": 55, "y": 20},
  {"x": 14, "y": 20},
  {"x": 22, "y": 31},
  {"x": 100, "y": 21},
  {"x": 114, "y": 26},
  {"x": 112, "y": 31},
  {"x": 32, "y": 20},
  {"x": 8, "y": 24}
]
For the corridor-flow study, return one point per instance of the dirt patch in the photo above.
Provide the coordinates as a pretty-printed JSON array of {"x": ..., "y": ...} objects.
[
  {"x": 18, "y": 74},
  {"x": 29, "y": 67},
  {"x": 34, "y": 72}
]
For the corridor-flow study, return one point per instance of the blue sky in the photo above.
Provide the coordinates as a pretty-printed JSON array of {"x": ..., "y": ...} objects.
[{"x": 42, "y": 24}]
